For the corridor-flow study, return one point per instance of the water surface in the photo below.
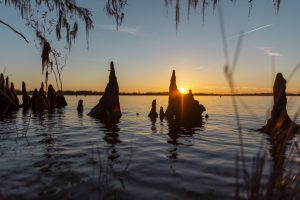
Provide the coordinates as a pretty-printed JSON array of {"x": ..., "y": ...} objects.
[{"x": 70, "y": 155}]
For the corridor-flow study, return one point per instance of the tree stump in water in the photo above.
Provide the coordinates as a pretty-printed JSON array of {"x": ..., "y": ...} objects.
[
  {"x": 56, "y": 99},
  {"x": 8, "y": 98},
  {"x": 39, "y": 100},
  {"x": 280, "y": 120},
  {"x": 153, "y": 114},
  {"x": 161, "y": 113},
  {"x": 183, "y": 108},
  {"x": 34, "y": 99},
  {"x": 51, "y": 97},
  {"x": 60, "y": 100},
  {"x": 13, "y": 95},
  {"x": 80, "y": 106},
  {"x": 108, "y": 107},
  {"x": 26, "y": 98}
]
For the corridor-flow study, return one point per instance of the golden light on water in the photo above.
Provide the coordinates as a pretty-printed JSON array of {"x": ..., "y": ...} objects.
[{"x": 182, "y": 90}]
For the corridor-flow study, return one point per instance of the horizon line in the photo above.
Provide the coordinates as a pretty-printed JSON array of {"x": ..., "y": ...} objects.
[{"x": 91, "y": 93}]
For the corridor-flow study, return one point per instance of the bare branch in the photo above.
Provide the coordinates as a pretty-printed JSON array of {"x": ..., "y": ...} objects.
[{"x": 14, "y": 30}]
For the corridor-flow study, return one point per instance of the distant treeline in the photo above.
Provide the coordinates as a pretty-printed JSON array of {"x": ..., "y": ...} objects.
[{"x": 89, "y": 93}]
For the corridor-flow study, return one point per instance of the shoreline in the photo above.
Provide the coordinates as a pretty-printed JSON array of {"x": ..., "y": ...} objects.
[{"x": 95, "y": 93}]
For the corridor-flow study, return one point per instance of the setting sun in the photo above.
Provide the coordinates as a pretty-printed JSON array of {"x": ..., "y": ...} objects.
[{"x": 182, "y": 90}]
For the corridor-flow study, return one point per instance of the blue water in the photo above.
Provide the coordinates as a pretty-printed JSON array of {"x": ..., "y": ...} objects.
[{"x": 66, "y": 155}]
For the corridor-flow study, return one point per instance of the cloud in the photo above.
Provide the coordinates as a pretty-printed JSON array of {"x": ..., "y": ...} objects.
[
  {"x": 270, "y": 52},
  {"x": 123, "y": 29},
  {"x": 251, "y": 31}
]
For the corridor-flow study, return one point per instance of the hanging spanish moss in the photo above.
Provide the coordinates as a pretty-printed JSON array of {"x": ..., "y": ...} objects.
[
  {"x": 115, "y": 8},
  {"x": 177, "y": 14},
  {"x": 65, "y": 16},
  {"x": 204, "y": 4},
  {"x": 50, "y": 19}
]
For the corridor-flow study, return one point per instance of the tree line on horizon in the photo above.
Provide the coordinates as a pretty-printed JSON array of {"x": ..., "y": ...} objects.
[{"x": 92, "y": 93}]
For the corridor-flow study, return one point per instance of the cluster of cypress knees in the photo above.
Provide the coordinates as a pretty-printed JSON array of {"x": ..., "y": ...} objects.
[
  {"x": 39, "y": 101},
  {"x": 182, "y": 108},
  {"x": 185, "y": 110}
]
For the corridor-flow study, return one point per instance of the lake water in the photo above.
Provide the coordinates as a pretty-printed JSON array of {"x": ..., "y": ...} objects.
[{"x": 67, "y": 155}]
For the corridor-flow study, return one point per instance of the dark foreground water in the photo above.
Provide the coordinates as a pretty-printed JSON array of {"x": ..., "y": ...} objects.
[{"x": 70, "y": 156}]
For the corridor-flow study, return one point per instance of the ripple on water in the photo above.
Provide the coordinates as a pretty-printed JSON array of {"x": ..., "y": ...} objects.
[{"x": 69, "y": 155}]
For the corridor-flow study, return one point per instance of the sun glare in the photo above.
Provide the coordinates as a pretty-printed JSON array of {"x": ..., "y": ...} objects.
[{"x": 182, "y": 90}]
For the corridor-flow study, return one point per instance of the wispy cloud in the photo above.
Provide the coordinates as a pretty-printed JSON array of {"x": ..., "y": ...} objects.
[
  {"x": 252, "y": 30},
  {"x": 270, "y": 52},
  {"x": 123, "y": 29}
]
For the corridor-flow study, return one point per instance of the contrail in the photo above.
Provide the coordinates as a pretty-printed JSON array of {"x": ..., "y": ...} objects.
[{"x": 253, "y": 30}]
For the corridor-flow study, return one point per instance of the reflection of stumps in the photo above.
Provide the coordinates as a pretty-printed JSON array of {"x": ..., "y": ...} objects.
[
  {"x": 108, "y": 107},
  {"x": 281, "y": 128},
  {"x": 80, "y": 106},
  {"x": 279, "y": 121},
  {"x": 153, "y": 114},
  {"x": 161, "y": 113}
]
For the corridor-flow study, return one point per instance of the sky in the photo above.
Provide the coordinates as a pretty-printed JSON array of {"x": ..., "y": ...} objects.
[{"x": 147, "y": 47}]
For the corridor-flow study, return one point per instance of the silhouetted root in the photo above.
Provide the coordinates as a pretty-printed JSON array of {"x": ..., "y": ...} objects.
[
  {"x": 80, "y": 106},
  {"x": 61, "y": 101},
  {"x": 56, "y": 99},
  {"x": 288, "y": 128},
  {"x": 40, "y": 101},
  {"x": 26, "y": 98},
  {"x": 8, "y": 98},
  {"x": 183, "y": 108},
  {"x": 108, "y": 108},
  {"x": 153, "y": 114},
  {"x": 280, "y": 122},
  {"x": 161, "y": 113}
]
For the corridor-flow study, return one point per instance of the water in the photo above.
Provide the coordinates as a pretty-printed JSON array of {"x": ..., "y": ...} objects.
[{"x": 66, "y": 155}]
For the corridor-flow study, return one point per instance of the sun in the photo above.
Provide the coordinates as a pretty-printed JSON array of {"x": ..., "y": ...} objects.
[{"x": 182, "y": 90}]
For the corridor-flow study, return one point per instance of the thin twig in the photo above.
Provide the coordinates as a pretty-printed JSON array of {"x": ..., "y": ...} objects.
[
  {"x": 14, "y": 30},
  {"x": 237, "y": 52},
  {"x": 293, "y": 72},
  {"x": 223, "y": 34}
]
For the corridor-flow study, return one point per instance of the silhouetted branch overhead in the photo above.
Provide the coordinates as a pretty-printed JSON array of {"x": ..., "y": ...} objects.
[
  {"x": 14, "y": 30},
  {"x": 204, "y": 4},
  {"x": 50, "y": 19},
  {"x": 66, "y": 14}
]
